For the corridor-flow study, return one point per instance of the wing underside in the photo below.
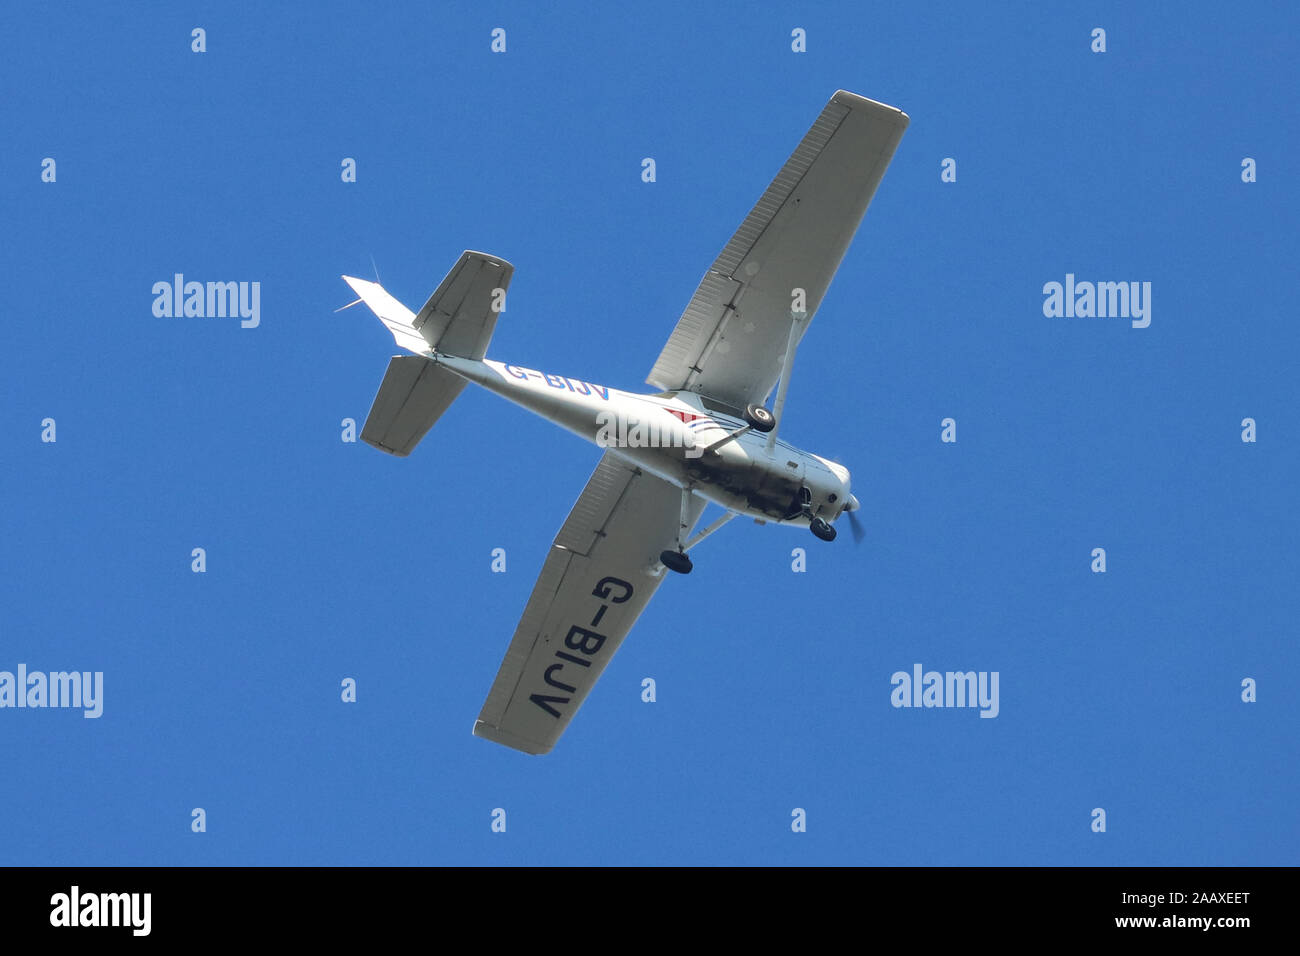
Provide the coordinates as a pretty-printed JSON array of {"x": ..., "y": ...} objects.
[
  {"x": 731, "y": 339},
  {"x": 594, "y": 584}
]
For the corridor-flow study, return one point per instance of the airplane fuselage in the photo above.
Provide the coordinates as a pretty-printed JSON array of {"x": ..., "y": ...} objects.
[{"x": 674, "y": 436}]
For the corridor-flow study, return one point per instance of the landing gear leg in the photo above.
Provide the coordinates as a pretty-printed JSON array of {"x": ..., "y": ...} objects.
[
  {"x": 677, "y": 560},
  {"x": 818, "y": 525}
]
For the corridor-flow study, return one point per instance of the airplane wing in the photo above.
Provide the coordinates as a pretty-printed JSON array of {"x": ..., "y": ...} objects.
[
  {"x": 729, "y": 343},
  {"x": 594, "y": 584}
]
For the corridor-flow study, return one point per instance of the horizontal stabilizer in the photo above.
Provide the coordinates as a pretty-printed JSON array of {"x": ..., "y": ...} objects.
[{"x": 413, "y": 395}]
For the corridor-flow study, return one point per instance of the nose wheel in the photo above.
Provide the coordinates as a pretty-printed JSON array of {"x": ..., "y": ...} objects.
[
  {"x": 822, "y": 529},
  {"x": 817, "y": 524}
]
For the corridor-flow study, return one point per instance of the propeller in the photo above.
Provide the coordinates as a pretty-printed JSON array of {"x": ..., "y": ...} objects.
[{"x": 851, "y": 508}]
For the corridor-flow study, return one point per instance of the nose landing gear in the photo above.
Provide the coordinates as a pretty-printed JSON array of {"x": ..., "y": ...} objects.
[
  {"x": 817, "y": 524},
  {"x": 822, "y": 529}
]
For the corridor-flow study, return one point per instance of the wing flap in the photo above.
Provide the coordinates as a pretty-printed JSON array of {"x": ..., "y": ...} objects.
[
  {"x": 587, "y": 521},
  {"x": 685, "y": 348}
]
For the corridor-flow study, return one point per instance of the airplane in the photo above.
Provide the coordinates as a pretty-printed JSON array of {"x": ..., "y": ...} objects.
[{"x": 705, "y": 436}]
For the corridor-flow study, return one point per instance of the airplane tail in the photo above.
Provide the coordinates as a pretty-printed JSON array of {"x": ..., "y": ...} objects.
[{"x": 458, "y": 319}]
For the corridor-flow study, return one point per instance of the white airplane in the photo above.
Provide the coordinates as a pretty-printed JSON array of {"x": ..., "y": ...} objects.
[{"x": 707, "y": 436}]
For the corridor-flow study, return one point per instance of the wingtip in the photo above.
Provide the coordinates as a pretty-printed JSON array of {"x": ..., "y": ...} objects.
[
  {"x": 506, "y": 739},
  {"x": 858, "y": 101}
]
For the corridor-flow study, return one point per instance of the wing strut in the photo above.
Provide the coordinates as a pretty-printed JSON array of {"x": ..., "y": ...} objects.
[
  {"x": 787, "y": 363},
  {"x": 712, "y": 527}
]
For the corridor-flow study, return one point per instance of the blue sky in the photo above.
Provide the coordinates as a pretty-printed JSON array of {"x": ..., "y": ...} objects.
[{"x": 328, "y": 560}]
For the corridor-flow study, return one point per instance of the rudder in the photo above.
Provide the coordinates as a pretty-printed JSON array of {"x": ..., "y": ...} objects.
[{"x": 460, "y": 316}]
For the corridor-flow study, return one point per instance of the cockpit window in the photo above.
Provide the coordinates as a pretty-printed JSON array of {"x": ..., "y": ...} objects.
[{"x": 721, "y": 407}]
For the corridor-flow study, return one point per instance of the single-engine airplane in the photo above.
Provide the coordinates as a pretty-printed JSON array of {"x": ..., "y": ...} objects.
[{"x": 707, "y": 436}]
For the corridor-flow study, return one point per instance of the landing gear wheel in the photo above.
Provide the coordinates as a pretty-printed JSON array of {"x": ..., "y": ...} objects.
[
  {"x": 822, "y": 529},
  {"x": 759, "y": 418},
  {"x": 677, "y": 561}
]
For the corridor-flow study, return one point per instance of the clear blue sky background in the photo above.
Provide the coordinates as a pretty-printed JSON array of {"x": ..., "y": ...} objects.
[{"x": 329, "y": 560}]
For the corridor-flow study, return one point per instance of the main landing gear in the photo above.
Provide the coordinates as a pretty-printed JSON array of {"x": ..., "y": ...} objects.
[
  {"x": 759, "y": 418},
  {"x": 676, "y": 561}
]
